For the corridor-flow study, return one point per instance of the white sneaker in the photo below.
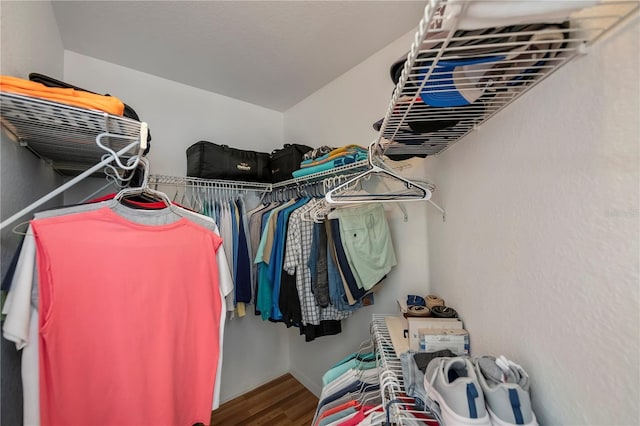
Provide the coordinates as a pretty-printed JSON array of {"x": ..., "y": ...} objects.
[
  {"x": 506, "y": 389},
  {"x": 453, "y": 385}
]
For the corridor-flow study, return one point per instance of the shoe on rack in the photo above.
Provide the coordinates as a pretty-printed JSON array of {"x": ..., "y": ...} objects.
[
  {"x": 453, "y": 385},
  {"x": 505, "y": 385}
]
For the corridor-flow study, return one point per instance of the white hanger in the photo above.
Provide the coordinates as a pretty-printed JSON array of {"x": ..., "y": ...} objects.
[
  {"x": 341, "y": 195},
  {"x": 144, "y": 188}
]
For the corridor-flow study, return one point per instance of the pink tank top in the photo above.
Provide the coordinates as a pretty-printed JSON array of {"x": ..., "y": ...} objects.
[{"x": 129, "y": 319}]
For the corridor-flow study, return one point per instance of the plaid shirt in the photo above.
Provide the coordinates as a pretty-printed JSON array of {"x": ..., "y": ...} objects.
[{"x": 298, "y": 249}]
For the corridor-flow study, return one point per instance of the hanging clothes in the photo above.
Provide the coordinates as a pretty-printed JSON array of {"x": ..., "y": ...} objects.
[
  {"x": 253, "y": 237},
  {"x": 277, "y": 255},
  {"x": 22, "y": 302},
  {"x": 256, "y": 227},
  {"x": 318, "y": 265},
  {"x": 289, "y": 301},
  {"x": 118, "y": 320},
  {"x": 263, "y": 257},
  {"x": 298, "y": 251},
  {"x": 243, "y": 260},
  {"x": 351, "y": 393},
  {"x": 365, "y": 235},
  {"x": 295, "y": 265}
]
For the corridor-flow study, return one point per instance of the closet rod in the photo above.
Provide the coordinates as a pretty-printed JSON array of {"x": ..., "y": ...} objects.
[
  {"x": 258, "y": 186},
  {"x": 220, "y": 183},
  {"x": 68, "y": 185},
  {"x": 321, "y": 175}
]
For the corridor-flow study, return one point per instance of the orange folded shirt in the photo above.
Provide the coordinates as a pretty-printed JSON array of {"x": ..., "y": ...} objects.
[{"x": 72, "y": 97}]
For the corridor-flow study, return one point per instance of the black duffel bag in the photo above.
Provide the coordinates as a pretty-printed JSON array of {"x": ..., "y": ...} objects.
[
  {"x": 286, "y": 160},
  {"x": 212, "y": 161}
]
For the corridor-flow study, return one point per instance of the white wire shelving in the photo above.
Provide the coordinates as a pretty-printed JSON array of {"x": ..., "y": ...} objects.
[
  {"x": 342, "y": 171},
  {"x": 458, "y": 74},
  {"x": 200, "y": 182},
  {"x": 74, "y": 141},
  {"x": 62, "y": 135},
  {"x": 358, "y": 166},
  {"x": 400, "y": 409}
]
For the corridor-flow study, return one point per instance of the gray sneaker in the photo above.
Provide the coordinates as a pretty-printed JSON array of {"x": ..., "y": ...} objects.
[
  {"x": 506, "y": 389},
  {"x": 453, "y": 385}
]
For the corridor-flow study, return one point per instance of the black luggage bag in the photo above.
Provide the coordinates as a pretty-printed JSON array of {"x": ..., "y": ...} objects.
[
  {"x": 209, "y": 160},
  {"x": 286, "y": 160}
]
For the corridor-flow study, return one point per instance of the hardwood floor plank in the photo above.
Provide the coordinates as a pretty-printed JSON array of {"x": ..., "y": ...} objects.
[
  {"x": 271, "y": 398},
  {"x": 281, "y": 402},
  {"x": 301, "y": 407},
  {"x": 304, "y": 421}
]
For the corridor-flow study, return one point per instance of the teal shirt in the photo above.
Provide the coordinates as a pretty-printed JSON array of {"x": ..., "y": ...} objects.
[{"x": 339, "y": 370}]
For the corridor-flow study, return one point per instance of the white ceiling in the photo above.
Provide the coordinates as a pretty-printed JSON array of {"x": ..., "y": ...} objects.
[{"x": 269, "y": 53}]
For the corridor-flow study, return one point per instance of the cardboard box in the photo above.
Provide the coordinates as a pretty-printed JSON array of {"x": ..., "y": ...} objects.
[
  {"x": 397, "y": 332},
  {"x": 417, "y": 323},
  {"x": 456, "y": 340}
]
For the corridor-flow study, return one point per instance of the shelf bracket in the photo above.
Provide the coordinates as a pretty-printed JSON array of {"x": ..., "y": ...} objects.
[
  {"x": 72, "y": 182},
  {"x": 440, "y": 209},
  {"x": 583, "y": 49}
]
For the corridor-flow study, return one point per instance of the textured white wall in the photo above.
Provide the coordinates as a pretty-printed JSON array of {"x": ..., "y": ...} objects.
[
  {"x": 540, "y": 251},
  {"x": 30, "y": 39},
  {"x": 178, "y": 116},
  {"x": 343, "y": 113},
  {"x": 30, "y": 42}
]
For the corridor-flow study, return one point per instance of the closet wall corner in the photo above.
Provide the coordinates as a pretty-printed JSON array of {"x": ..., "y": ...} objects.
[{"x": 23, "y": 177}]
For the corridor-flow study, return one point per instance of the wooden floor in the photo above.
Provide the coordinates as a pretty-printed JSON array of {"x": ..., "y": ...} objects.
[{"x": 282, "y": 402}]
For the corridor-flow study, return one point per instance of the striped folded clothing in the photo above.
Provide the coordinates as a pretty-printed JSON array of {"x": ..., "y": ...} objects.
[
  {"x": 334, "y": 154},
  {"x": 342, "y": 160},
  {"x": 317, "y": 152},
  {"x": 77, "y": 98}
]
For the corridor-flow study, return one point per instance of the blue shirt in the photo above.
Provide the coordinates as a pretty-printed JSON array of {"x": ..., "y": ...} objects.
[
  {"x": 277, "y": 254},
  {"x": 265, "y": 292},
  {"x": 343, "y": 262}
]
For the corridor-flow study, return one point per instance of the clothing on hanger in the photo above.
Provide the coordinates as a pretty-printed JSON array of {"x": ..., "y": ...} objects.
[
  {"x": 243, "y": 260},
  {"x": 277, "y": 255},
  {"x": 177, "y": 244},
  {"x": 298, "y": 250},
  {"x": 352, "y": 291},
  {"x": 318, "y": 265},
  {"x": 365, "y": 234},
  {"x": 19, "y": 321},
  {"x": 289, "y": 301}
]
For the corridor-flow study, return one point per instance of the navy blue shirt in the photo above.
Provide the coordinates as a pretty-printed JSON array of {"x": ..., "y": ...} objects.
[{"x": 356, "y": 292}]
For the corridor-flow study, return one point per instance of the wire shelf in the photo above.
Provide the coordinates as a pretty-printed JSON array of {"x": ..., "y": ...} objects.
[
  {"x": 258, "y": 186},
  {"x": 350, "y": 168},
  {"x": 458, "y": 75},
  {"x": 200, "y": 182},
  {"x": 62, "y": 135},
  {"x": 400, "y": 407}
]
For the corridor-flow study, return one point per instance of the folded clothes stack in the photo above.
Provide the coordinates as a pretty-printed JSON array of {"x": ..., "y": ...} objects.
[{"x": 342, "y": 156}]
